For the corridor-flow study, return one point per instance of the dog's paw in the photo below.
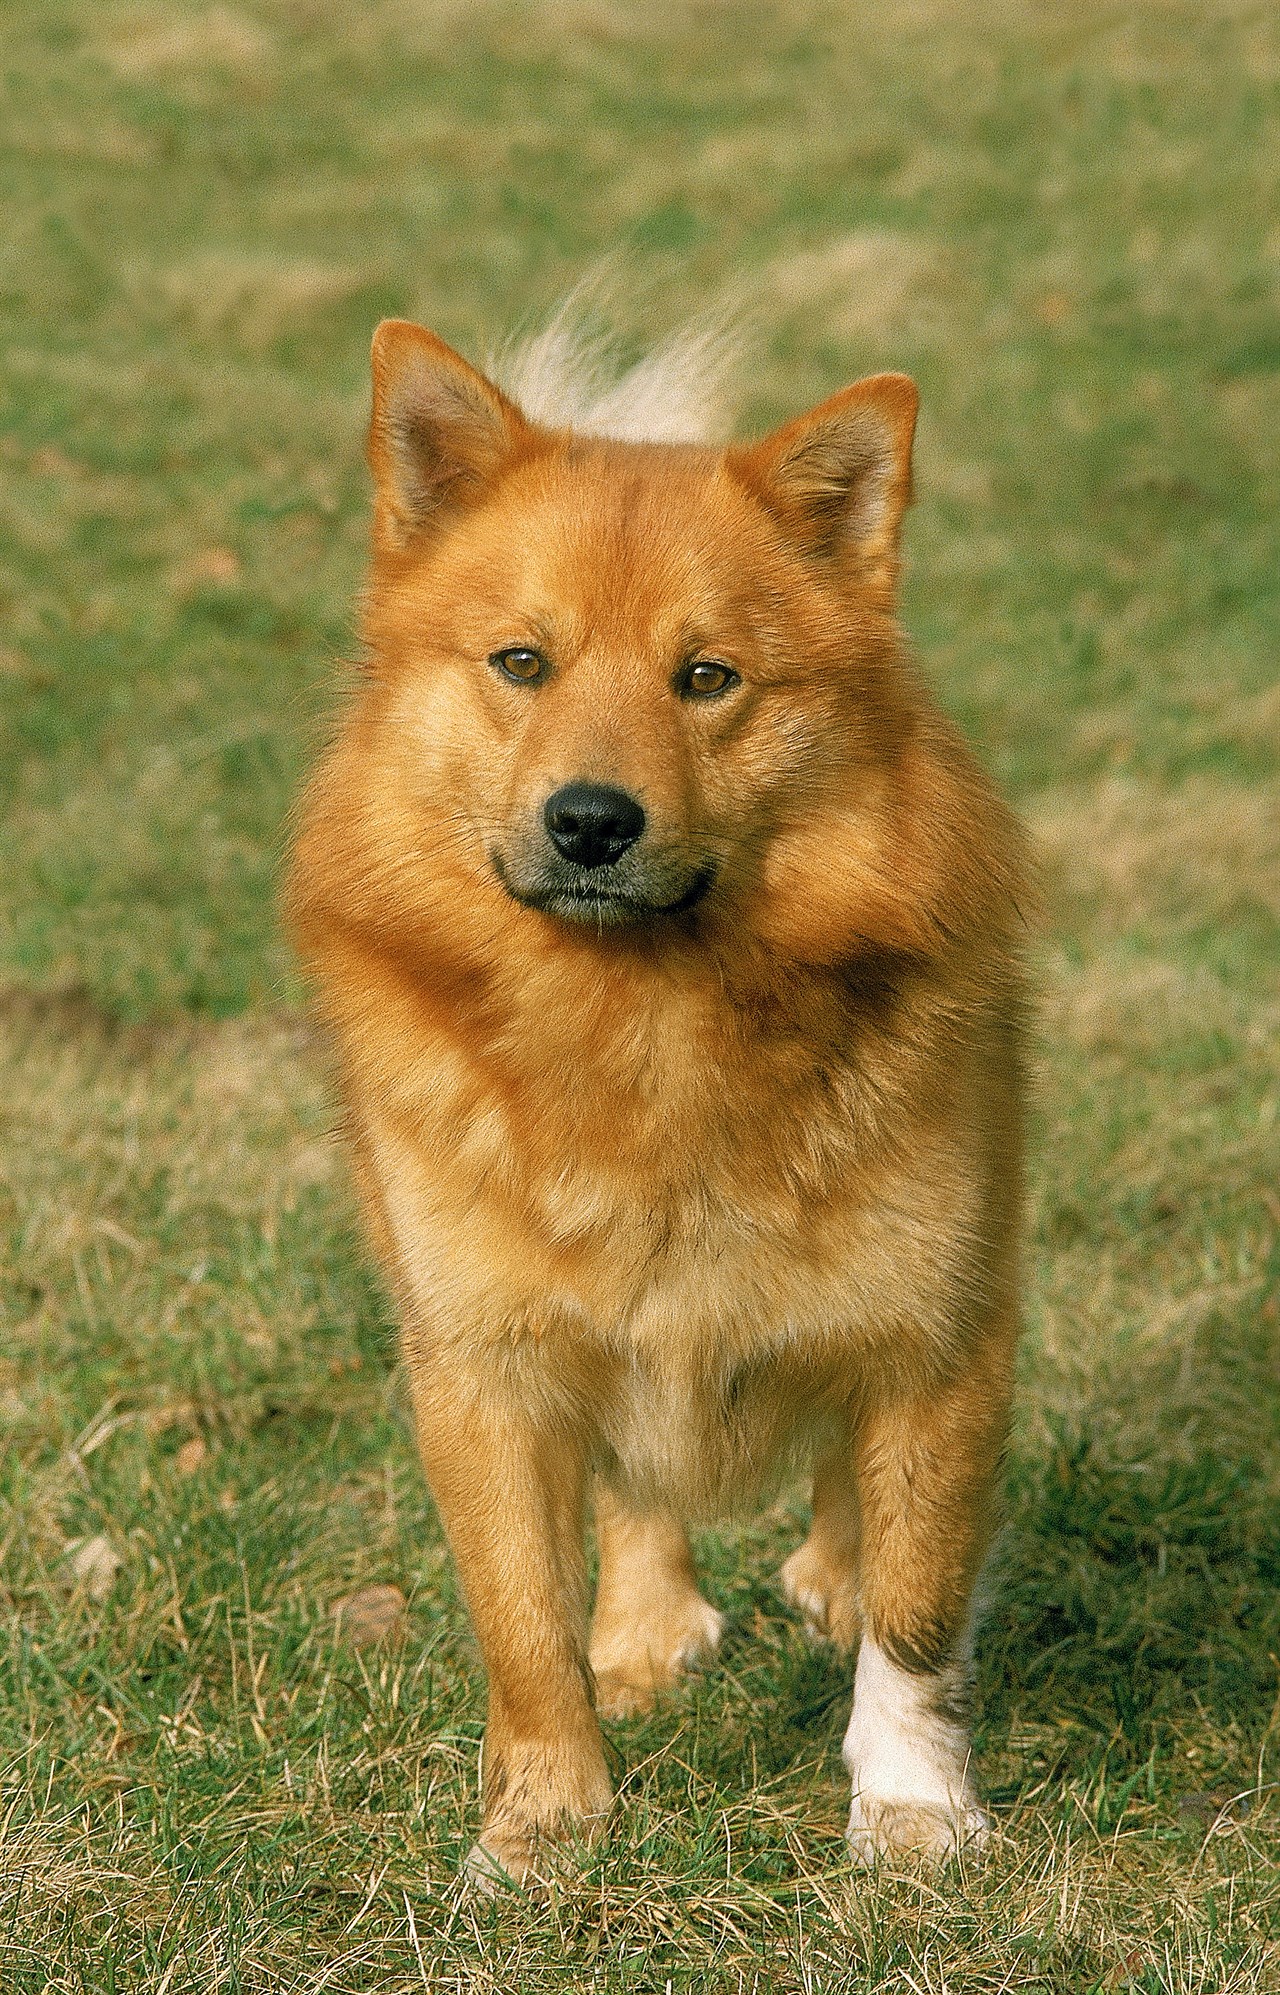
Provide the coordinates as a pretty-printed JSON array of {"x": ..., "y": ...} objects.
[
  {"x": 633, "y": 1664},
  {"x": 509, "y": 1860},
  {"x": 826, "y": 1598},
  {"x": 514, "y": 1855},
  {"x": 907, "y": 1752},
  {"x": 935, "y": 1831},
  {"x": 495, "y": 1865},
  {"x": 546, "y": 1800}
]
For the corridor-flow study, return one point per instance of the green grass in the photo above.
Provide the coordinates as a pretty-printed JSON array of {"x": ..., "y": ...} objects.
[{"x": 1063, "y": 221}]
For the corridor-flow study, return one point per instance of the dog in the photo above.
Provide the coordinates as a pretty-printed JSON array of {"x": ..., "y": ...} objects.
[{"x": 670, "y": 942}]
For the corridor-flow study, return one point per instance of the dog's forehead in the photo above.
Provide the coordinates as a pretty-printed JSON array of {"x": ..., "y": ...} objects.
[{"x": 622, "y": 537}]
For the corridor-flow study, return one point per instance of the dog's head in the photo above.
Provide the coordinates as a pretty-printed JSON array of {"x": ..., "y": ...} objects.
[{"x": 625, "y": 681}]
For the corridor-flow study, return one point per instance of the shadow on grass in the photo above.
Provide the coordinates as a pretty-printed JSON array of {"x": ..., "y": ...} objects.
[
  {"x": 1134, "y": 1593},
  {"x": 1135, "y": 1598}
]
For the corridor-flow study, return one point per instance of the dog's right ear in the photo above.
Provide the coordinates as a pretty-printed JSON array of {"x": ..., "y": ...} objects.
[{"x": 439, "y": 433}]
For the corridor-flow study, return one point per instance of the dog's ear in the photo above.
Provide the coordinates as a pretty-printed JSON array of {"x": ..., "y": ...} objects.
[
  {"x": 838, "y": 480},
  {"x": 439, "y": 432}
]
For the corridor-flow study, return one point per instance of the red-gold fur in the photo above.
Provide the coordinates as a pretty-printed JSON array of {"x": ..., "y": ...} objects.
[{"x": 668, "y": 1196}]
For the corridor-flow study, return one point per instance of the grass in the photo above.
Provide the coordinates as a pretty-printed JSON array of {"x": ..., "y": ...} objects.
[{"x": 1063, "y": 222}]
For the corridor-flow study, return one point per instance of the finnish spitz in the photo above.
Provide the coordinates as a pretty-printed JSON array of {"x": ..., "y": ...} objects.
[{"x": 669, "y": 939}]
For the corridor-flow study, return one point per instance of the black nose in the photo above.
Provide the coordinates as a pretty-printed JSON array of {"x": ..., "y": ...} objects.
[{"x": 591, "y": 823}]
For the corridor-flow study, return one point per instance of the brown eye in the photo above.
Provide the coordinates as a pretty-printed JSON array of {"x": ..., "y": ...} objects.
[
  {"x": 705, "y": 678},
  {"x": 520, "y": 663}
]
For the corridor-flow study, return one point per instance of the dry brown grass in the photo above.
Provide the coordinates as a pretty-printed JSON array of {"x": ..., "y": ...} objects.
[
  {"x": 139, "y": 1163},
  {"x": 1203, "y": 851},
  {"x": 1064, "y": 222},
  {"x": 156, "y": 43}
]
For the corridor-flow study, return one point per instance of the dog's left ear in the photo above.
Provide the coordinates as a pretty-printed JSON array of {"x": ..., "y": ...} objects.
[{"x": 839, "y": 479}]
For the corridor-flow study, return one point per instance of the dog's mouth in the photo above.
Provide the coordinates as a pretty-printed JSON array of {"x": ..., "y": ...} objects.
[{"x": 592, "y": 902}]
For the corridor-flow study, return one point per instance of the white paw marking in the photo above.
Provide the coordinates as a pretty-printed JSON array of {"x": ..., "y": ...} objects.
[{"x": 909, "y": 1765}]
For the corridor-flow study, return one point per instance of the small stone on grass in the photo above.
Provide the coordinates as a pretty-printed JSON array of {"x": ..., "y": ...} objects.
[
  {"x": 94, "y": 1564},
  {"x": 1204, "y": 1809},
  {"x": 371, "y": 1614}
]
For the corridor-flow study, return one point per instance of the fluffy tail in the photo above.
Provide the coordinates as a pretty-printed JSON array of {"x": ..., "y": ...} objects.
[{"x": 568, "y": 376}]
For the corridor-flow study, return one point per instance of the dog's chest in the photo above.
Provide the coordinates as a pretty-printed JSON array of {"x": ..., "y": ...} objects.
[
  {"x": 649, "y": 1179},
  {"x": 679, "y": 1151}
]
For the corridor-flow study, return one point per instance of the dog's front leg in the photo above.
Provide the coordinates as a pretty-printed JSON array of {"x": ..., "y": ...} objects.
[
  {"x": 924, "y": 1468},
  {"x": 508, "y": 1479}
]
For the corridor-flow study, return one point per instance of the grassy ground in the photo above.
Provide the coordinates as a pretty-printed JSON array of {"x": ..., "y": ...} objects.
[{"x": 1064, "y": 222}]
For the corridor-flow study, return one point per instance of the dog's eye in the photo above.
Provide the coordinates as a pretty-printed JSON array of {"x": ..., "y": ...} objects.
[
  {"x": 520, "y": 663},
  {"x": 704, "y": 678}
]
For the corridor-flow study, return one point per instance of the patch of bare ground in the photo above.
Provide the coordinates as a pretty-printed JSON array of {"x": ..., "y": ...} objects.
[
  {"x": 164, "y": 43},
  {"x": 869, "y": 283},
  {"x": 1201, "y": 850},
  {"x": 1129, "y": 1006},
  {"x": 251, "y": 298},
  {"x": 230, "y": 1107}
]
